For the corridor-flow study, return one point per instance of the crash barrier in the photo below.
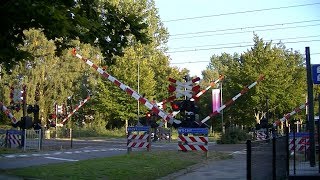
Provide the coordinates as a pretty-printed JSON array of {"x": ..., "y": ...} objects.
[
  {"x": 268, "y": 159},
  {"x": 33, "y": 139},
  {"x": 197, "y": 142},
  {"x": 14, "y": 138},
  {"x": 136, "y": 140}
]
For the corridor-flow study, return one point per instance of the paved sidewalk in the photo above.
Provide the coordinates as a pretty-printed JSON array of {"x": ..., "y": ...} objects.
[{"x": 234, "y": 168}]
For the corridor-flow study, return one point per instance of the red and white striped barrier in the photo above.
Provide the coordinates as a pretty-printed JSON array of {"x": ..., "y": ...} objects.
[
  {"x": 8, "y": 113},
  {"x": 193, "y": 143},
  {"x": 75, "y": 109},
  {"x": 166, "y": 117},
  {"x": 141, "y": 144},
  {"x": 138, "y": 140},
  {"x": 14, "y": 139},
  {"x": 301, "y": 144},
  {"x": 231, "y": 101},
  {"x": 261, "y": 135},
  {"x": 287, "y": 116},
  {"x": 212, "y": 84}
]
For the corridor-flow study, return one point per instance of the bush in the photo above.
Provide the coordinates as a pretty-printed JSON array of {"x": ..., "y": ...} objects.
[{"x": 233, "y": 136}]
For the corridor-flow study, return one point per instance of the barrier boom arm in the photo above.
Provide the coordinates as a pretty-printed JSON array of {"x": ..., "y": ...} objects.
[
  {"x": 75, "y": 109},
  {"x": 207, "y": 88},
  {"x": 231, "y": 101},
  {"x": 8, "y": 113},
  {"x": 287, "y": 116},
  {"x": 166, "y": 117}
]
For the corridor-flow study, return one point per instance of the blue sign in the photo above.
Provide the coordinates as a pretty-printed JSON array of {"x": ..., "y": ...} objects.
[
  {"x": 17, "y": 132},
  {"x": 316, "y": 73},
  {"x": 193, "y": 130},
  {"x": 138, "y": 128}
]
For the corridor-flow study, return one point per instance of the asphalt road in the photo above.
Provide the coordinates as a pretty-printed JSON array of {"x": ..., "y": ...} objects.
[{"x": 89, "y": 149}]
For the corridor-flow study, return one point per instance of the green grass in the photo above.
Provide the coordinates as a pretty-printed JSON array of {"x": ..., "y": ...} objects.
[
  {"x": 4, "y": 150},
  {"x": 136, "y": 165}
]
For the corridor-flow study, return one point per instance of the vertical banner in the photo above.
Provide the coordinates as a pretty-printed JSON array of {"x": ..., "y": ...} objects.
[{"x": 215, "y": 99}]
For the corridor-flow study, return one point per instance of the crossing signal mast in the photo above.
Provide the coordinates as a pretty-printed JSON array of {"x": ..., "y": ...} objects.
[{"x": 187, "y": 106}]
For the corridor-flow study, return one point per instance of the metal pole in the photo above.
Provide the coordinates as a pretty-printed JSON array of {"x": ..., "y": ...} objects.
[
  {"x": 310, "y": 109},
  {"x": 267, "y": 116},
  {"x": 294, "y": 150},
  {"x": 274, "y": 156},
  {"x": 221, "y": 102},
  {"x": 318, "y": 130},
  {"x": 138, "y": 113},
  {"x": 288, "y": 150},
  {"x": 71, "y": 140},
  {"x": 249, "y": 160}
]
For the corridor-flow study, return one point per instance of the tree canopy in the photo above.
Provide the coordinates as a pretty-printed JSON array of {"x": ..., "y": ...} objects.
[{"x": 99, "y": 23}]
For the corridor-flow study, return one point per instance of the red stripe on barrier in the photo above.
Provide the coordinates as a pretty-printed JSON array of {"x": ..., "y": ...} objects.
[
  {"x": 192, "y": 147},
  {"x": 141, "y": 144},
  {"x": 129, "y": 91},
  {"x": 142, "y": 100},
  {"x": 203, "y": 148},
  {"x": 182, "y": 147},
  {"x": 116, "y": 82},
  {"x": 182, "y": 138},
  {"x": 193, "y": 139},
  {"x": 95, "y": 66},
  {"x": 105, "y": 75},
  {"x": 203, "y": 139}
]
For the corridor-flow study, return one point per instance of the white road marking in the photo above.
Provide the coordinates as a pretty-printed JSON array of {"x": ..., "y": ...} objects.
[
  {"x": 10, "y": 156},
  {"x": 62, "y": 159},
  {"x": 68, "y": 152}
]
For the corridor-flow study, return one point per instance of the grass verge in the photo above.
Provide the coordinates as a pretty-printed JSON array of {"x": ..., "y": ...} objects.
[{"x": 136, "y": 165}]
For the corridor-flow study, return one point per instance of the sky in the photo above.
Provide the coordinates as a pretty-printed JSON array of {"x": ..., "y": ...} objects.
[{"x": 199, "y": 29}]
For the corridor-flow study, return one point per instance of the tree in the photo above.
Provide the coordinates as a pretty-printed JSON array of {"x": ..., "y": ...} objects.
[
  {"x": 281, "y": 68},
  {"x": 92, "y": 21}
]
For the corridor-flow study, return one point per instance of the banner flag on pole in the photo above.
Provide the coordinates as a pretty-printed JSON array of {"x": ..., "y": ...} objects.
[{"x": 216, "y": 102}]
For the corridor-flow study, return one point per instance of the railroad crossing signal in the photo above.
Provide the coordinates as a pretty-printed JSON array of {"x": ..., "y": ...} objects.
[{"x": 186, "y": 89}]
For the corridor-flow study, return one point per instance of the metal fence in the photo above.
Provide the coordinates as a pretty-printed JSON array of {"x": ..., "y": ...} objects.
[
  {"x": 32, "y": 139},
  {"x": 267, "y": 159}
]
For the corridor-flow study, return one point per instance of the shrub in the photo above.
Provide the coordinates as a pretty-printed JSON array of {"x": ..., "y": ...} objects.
[{"x": 233, "y": 136}]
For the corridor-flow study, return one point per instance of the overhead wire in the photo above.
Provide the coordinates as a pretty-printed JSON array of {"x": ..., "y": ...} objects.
[
  {"x": 207, "y": 61},
  {"x": 247, "y": 45},
  {"x": 188, "y": 47},
  {"x": 241, "y": 12},
  {"x": 247, "y": 27},
  {"x": 241, "y": 32}
]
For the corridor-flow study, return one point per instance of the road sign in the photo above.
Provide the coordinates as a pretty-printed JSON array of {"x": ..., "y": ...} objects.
[
  {"x": 193, "y": 130},
  {"x": 316, "y": 73},
  {"x": 138, "y": 128}
]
